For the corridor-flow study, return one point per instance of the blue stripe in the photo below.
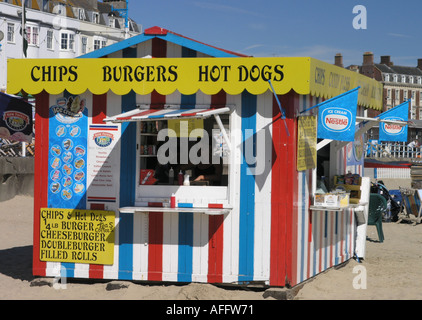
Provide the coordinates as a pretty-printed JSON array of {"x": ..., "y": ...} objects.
[
  {"x": 186, "y": 218},
  {"x": 185, "y": 205},
  {"x": 247, "y": 191},
  {"x": 184, "y": 42},
  {"x": 127, "y": 183},
  {"x": 126, "y": 246},
  {"x": 185, "y": 247}
]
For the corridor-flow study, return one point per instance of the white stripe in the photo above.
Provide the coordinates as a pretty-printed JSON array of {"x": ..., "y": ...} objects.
[
  {"x": 231, "y": 221},
  {"x": 262, "y": 243},
  {"x": 170, "y": 246},
  {"x": 140, "y": 246},
  {"x": 200, "y": 248}
]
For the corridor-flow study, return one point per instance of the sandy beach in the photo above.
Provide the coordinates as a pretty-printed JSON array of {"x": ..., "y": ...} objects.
[{"x": 392, "y": 270}]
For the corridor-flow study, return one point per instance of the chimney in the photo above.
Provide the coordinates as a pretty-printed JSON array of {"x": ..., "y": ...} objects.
[
  {"x": 386, "y": 60},
  {"x": 338, "y": 60},
  {"x": 420, "y": 64},
  {"x": 368, "y": 65},
  {"x": 368, "y": 58}
]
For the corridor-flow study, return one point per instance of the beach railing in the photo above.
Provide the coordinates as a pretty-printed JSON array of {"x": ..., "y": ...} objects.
[{"x": 389, "y": 150}]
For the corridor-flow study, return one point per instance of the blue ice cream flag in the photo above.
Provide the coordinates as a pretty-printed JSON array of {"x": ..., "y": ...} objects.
[
  {"x": 337, "y": 116},
  {"x": 393, "y": 131}
]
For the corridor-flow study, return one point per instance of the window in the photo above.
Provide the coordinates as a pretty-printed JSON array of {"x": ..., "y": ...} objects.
[
  {"x": 67, "y": 41},
  {"x": 11, "y": 32},
  {"x": 50, "y": 39},
  {"x": 97, "y": 44},
  {"x": 199, "y": 154},
  {"x": 95, "y": 17},
  {"x": 413, "y": 113},
  {"x": 420, "y": 113},
  {"x": 81, "y": 14},
  {"x": 32, "y": 35},
  {"x": 404, "y": 95},
  {"x": 397, "y": 95},
  {"x": 395, "y": 78},
  {"x": 64, "y": 41},
  {"x": 61, "y": 9},
  {"x": 112, "y": 23},
  {"x": 45, "y": 5},
  {"x": 71, "y": 42},
  {"x": 84, "y": 42}
]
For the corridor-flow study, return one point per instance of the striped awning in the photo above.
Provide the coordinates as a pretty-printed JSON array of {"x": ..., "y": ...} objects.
[{"x": 140, "y": 114}]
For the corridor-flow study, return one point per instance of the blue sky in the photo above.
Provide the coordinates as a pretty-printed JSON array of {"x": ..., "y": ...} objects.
[{"x": 269, "y": 28}]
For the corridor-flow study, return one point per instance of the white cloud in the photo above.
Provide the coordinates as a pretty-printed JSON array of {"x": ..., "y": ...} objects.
[{"x": 399, "y": 35}]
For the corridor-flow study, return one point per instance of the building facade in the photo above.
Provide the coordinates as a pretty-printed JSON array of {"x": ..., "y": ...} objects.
[
  {"x": 400, "y": 83},
  {"x": 61, "y": 28}
]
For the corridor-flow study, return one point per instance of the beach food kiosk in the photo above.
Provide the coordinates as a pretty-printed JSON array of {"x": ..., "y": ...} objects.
[{"x": 106, "y": 204}]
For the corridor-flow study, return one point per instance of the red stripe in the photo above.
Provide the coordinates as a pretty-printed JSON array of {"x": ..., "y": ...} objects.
[
  {"x": 284, "y": 194},
  {"x": 142, "y": 113},
  {"x": 96, "y": 271},
  {"x": 281, "y": 196},
  {"x": 310, "y": 223},
  {"x": 155, "y": 204},
  {"x": 215, "y": 205},
  {"x": 155, "y": 249},
  {"x": 216, "y": 226},
  {"x": 41, "y": 175},
  {"x": 215, "y": 249},
  {"x": 99, "y": 108}
]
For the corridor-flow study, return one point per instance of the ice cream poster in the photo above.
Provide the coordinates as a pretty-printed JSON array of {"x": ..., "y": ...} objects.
[
  {"x": 68, "y": 127},
  {"x": 15, "y": 119}
]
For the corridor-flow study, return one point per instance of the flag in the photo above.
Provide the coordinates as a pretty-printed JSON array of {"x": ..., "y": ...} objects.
[
  {"x": 15, "y": 119},
  {"x": 393, "y": 131},
  {"x": 23, "y": 29},
  {"x": 337, "y": 117}
]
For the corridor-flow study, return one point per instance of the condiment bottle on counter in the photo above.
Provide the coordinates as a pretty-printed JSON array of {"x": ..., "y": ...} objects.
[
  {"x": 180, "y": 178},
  {"x": 186, "y": 181},
  {"x": 173, "y": 201},
  {"x": 171, "y": 175}
]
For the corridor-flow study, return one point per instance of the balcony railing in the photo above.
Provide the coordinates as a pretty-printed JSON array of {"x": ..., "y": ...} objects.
[{"x": 393, "y": 151}]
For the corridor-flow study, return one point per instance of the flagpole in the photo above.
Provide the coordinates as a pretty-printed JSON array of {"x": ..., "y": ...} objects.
[
  {"x": 23, "y": 29},
  {"x": 332, "y": 99}
]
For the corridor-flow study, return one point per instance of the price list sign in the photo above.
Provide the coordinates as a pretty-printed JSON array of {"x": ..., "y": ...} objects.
[
  {"x": 68, "y": 153},
  {"x": 307, "y": 142},
  {"x": 79, "y": 236}
]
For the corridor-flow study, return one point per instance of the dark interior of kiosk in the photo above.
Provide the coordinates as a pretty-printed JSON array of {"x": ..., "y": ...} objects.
[{"x": 213, "y": 171}]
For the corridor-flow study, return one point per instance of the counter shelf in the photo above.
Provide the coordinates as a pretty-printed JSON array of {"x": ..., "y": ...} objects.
[
  {"x": 350, "y": 206},
  {"x": 207, "y": 211}
]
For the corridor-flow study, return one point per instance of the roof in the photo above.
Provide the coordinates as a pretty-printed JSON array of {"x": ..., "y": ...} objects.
[
  {"x": 167, "y": 35},
  {"x": 403, "y": 70}
]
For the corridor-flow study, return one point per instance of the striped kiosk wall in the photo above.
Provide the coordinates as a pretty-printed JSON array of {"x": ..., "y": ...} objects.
[{"x": 269, "y": 236}]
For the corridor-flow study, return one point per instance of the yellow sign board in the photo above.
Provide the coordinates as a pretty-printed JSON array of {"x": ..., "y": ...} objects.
[
  {"x": 184, "y": 128},
  {"x": 307, "y": 142},
  {"x": 79, "y": 236},
  {"x": 188, "y": 76}
]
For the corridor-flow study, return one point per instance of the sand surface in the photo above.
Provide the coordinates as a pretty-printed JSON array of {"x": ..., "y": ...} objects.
[{"x": 392, "y": 270}]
